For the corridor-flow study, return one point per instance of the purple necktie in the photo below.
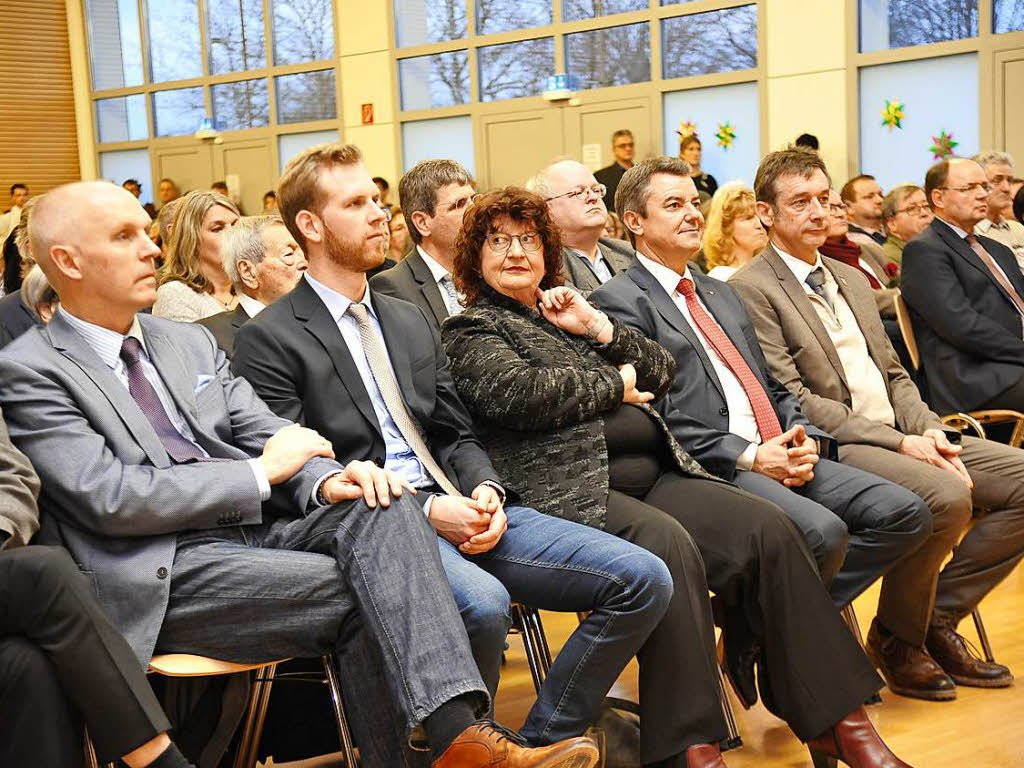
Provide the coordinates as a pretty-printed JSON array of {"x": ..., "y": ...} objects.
[{"x": 178, "y": 448}]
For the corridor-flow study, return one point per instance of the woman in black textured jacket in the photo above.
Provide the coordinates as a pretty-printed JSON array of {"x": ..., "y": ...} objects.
[{"x": 559, "y": 393}]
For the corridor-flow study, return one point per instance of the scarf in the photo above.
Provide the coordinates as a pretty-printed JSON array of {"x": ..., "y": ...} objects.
[{"x": 849, "y": 253}]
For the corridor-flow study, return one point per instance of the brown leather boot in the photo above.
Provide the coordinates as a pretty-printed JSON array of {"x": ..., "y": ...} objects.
[
  {"x": 487, "y": 745},
  {"x": 704, "y": 756},
  {"x": 951, "y": 652},
  {"x": 907, "y": 669},
  {"x": 855, "y": 741}
]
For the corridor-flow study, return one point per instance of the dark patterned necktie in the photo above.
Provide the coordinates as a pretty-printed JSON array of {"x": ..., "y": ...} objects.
[
  {"x": 817, "y": 282},
  {"x": 1001, "y": 278},
  {"x": 178, "y": 448}
]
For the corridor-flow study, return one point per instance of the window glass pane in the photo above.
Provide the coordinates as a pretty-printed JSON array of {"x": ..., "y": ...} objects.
[
  {"x": 515, "y": 69},
  {"x": 923, "y": 87},
  {"x": 574, "y": 10},
  {"x": 173, "y": 27},
  {"x": 898, "y": 23},
  {"x": 612, "y": 56},
  {"x": 290, "y": 144},
  {"x": 718, "y": 41},
  {"x": 1007, "y": 16},
  {"x": 421, "y": 139},
  {"x": 677, "y": 2},
  {"x": 235, "y": 35},
  {"x": 429, "y": 21},
  {"x": 115, "y": 45},
  {"x": 178, "y": 112},
  {"x": 709, "y": 108},
  {"x": 441, "y": 80},
  {"x": 303, "y": 30},
  {"x": 240, "y": 105},
  {"x": 306, "y": 96},
  {"x": 122, "y": 119},
  {"x": 128, "y": 164},
  {"x": 502, "y": 15}
]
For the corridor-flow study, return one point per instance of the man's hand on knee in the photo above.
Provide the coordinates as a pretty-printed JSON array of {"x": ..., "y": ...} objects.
[{"x": 364, "y": 479}]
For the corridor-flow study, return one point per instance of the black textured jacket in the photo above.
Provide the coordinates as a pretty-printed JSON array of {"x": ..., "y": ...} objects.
[{"x": 538, "y": 395}]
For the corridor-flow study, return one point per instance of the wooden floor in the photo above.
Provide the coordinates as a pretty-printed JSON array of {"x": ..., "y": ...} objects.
[{"x": 981, "y": 729}]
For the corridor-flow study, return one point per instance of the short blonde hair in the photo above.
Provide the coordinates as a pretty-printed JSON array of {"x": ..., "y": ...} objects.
[
  {"x": 181, "y": 260},
  {"x": 731, "y": 201},
  {"x": 299, "y": 187}
]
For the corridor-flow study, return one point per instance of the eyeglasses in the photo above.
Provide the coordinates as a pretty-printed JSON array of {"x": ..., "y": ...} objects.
[
  {"x": 915, "y": 209},
  {"x": 581, "y": 192},
  {"x": 460, "y": 204},
  {"x": 499, "y": 242},
  {"x": 969, "y": 188}
]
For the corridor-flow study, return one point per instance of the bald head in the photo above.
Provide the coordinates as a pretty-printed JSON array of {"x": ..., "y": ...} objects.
[{"x": 575, "y": 202}]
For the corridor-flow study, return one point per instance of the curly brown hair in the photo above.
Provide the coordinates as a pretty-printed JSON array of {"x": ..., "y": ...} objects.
[{"x": 518, "y": 205}]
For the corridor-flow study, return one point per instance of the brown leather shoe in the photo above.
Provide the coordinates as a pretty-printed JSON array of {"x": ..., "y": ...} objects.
[
  {"x": 487, "y": 745},
  {"x": 951, "y": 652},
  {"x": 704, "y": 756},
  {"x": 907, "y": 669},
  {"x": 855, "y": 741}
]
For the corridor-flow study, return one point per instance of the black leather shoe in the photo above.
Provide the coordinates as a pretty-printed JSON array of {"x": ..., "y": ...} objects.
[{"x": 737, "y": 660}]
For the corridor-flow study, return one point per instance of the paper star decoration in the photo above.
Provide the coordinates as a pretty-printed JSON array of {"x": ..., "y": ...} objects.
[
  {"x": 726, "y": 135},
  {"x": 892, "y": 115},
  {"x": 942, "y": 145},
  {"x": 686, "y": 128}
]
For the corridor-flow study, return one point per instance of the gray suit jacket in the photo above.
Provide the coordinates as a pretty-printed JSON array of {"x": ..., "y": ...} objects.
[
  {"x": 19, "y": 487},
  {"x": 111, "y": 494},
  {"x": 411, "y": 279},
  {"x": 618, "y": 253},
  {"x": 802, "y": 356}
]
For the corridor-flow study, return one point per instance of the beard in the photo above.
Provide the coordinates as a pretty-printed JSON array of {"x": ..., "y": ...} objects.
[{"x": 352, "y": 254}]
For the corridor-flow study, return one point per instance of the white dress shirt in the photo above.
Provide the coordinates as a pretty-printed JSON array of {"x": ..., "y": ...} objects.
[
  {"x": 868, "y": 396},
  {"x": 251, "y": 306},
  {"x": 741, "y": 413},
  {"x": 599, "y": 266},
  {"x": 107, "y": 345},
  {"x": 440, "y": 275}
]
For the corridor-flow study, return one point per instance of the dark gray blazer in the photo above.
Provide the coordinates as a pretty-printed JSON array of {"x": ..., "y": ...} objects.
[
  {"x": 695, "y": 406},
  {"x": 15, "y": 316},
  {"x": 539, "y": 396},
  {"x": 110, "y": 493},
  {"x": 19, "y": 488},
  {"x": 224, "y": 326},
  {"x": 411, "y": 280},
  {"x": 619, "y": 255}
]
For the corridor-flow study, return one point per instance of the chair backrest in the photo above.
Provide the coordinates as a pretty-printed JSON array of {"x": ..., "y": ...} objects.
[{"x": 906, "y": 330}]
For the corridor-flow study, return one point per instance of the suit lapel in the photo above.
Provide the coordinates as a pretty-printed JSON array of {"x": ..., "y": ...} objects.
[
  {"x": 239, "y": 317},
  {"x": 866, "y": 316},
  {"x": 803, "y": 305},
  {"x": 71, "y": 344},
  {"x": 428, "y": 287},
  {"x": 174, "y": 372},
  {"x": 318, "y": 321},
  {"x": 670, "y": 313},
  {"x": 964, "y": 250}
]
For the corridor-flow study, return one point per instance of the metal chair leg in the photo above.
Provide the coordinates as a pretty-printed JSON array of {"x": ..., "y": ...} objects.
[
  {"x": 334, "y": 686},
  {"x": 522, "y": 624},
  {"x": 248, "y": 745},
  {"x": 733, "y": 740},
  {"x": 850, "y": 618},
  {"x": 540, "y": 639},
  {"x": 986, "y": 646}
]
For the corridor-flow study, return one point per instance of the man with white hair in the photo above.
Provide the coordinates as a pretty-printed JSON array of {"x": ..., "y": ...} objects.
[
  {"x": 999, "y": 170},
  {"x": 576, "y": 205},
  {"x": 264, "y": 263}
]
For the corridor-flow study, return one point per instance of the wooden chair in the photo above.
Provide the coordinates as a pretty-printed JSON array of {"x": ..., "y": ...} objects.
[{"x": 188, "y": 665}]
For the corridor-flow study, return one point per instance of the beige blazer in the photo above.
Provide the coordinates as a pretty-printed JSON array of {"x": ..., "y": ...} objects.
[{"x": 801, "y": 354}]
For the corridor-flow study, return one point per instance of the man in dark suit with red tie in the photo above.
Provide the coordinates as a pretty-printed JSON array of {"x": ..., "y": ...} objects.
[{"x": 966, "y": 297}]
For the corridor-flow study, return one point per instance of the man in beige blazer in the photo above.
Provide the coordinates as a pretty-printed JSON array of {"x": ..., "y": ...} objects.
[{"x": 821, "y": 334}]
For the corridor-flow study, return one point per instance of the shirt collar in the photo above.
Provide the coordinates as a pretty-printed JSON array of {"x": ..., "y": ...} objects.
[
  {"x": 433, "y": 265},
  {"x": 667, "y": 278},
  {"x": 337, "y": 304},
  {"x": 959, "y": 232},
  {"x": 800, "y": 268},
  {"x": 987, "y": 224},
  {"x": 599, "y": 256},
  {"x": 103, "y": 341},
  {"x": 251, "y": 306}
]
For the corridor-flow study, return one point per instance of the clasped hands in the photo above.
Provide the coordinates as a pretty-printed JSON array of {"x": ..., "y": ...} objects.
[
  {"x": 788, "y": 458},
  {"x": 933, "y": 447}
]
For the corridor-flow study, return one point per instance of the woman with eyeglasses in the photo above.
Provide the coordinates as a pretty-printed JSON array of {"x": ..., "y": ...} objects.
[{"x": 905, "y": 215}]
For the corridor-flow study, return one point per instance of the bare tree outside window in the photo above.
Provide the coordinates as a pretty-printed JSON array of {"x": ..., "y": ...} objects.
[
  {"x": 306, "y": 96},
  {"x": 418, "y": 22},
  {"x": 1007, "y": 16},
  {"x": 515, "y": 70},
  {"x": 503, "y": 15},
  {"x": 916, "y": 22},
  {"x": 235, "y": 35},
  {"x": 613, "y": 56},
  {"x": 440, "y": 80},
  {"x": 574, "y": 10},
  {"x": 178, "y": 112},
  {"x": 703, "y": 43},
  {"x": 240, "y": 105},
  {"x": 174, "y": 50},
  {"x": 303, "y": 31}
]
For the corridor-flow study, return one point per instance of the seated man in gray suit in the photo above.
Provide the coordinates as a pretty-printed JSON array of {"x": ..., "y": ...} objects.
[
  {"x": 575, "y": 202},
  {"x": 264, "y": 263},
  {"x": 210, "y": 525},
  {"x": 435, "y": 194},
  {"x": 726, "y": 408}
]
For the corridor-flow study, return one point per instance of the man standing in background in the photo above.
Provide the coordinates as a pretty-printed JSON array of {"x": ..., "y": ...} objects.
[{"x": 623, "y": 150}]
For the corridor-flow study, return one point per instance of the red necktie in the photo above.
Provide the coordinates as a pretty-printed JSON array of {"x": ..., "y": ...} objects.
[
  {"x": 764, "y": 413},
  {"x": 996, "y": 273}
]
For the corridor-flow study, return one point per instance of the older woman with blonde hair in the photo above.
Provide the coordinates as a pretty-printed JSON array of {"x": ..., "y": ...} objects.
[
  {"x": 192, "y": 281},
  {"x": 733, "y": 234}
]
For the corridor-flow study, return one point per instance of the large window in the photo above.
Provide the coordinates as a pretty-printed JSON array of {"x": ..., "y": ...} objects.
[
  {"x": 703, "y": 43},
  {"x": 899, "y": 23}
]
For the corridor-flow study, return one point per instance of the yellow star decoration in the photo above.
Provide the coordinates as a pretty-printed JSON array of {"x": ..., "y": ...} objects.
[
  {"x": 726, "y": 135},
  {"x": 687, "y": 128},
  {"x": 892, "y": 115}
]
